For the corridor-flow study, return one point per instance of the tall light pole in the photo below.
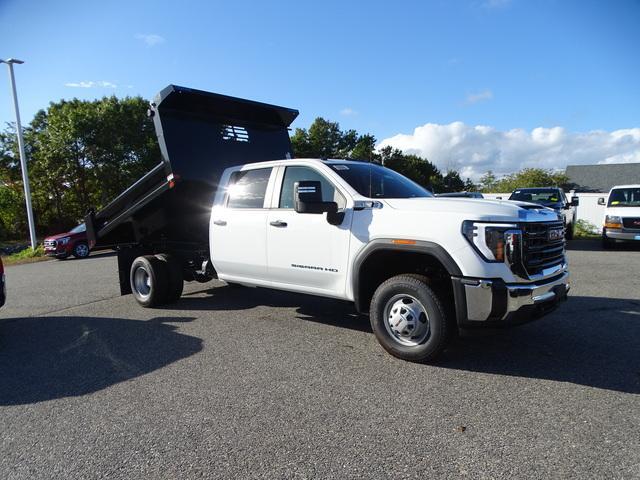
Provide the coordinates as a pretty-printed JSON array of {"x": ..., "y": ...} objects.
[{"x": 23, "y": 157}]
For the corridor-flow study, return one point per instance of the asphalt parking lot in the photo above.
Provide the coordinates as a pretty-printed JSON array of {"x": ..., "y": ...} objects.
[{"x": 245, "y": 383}]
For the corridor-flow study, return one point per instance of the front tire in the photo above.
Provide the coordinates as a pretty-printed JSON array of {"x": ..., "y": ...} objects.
[
  {"x": 608, "y": 243},
  {"x": 81, "y": 250},
  {"x": 149, "y": 281},
  {"x": 569, "y": 233},
  {"x": 408, "y": 318}
]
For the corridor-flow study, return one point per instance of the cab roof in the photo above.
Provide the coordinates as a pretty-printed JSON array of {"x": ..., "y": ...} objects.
[{"x": 637, "y": 185}]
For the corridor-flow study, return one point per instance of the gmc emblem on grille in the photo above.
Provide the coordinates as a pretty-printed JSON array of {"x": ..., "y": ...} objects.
[{"x": 555, "y": 234}]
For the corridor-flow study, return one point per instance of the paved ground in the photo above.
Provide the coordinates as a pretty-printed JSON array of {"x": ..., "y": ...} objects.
[{"x": 243, "y": 383}]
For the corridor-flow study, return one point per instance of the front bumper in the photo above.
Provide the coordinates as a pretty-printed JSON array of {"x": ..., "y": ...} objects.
[
  {"x": 621, "y": 234},
  {"x": 57, "y": 250},
  {"x": 491, "y": 302},
  {"x": 56, "y": 254}
]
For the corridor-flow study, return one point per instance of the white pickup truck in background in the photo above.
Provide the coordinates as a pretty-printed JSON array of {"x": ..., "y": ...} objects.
[
  {"x": 422, "y": 267},
  {"x": 555, "y": 198}
]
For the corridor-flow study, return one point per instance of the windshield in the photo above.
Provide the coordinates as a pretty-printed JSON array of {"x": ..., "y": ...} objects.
[
  {"x": 374, "y": 181},
  {"x": 79, "y": 228},
  {"x": 550, "y": 196},
  {"x": 625, "y": 197}
]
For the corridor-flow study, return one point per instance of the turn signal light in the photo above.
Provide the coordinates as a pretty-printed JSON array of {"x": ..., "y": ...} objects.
[
  {"x": 401, "y": 241},
  {"x": 612, "y": 225},
  {"x": 500, "y": 250}
]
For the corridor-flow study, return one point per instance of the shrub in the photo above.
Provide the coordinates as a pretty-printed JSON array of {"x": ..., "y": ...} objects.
[
  {"x": 25, "y": 256},
  {"x": 585, "y": 229}
]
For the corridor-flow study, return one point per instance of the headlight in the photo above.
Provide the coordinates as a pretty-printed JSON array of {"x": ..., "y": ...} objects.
[
  {"x": 490, "y": 239},
  {"x": 64, "y": 241},
  {"x": 612, "y": 221}
]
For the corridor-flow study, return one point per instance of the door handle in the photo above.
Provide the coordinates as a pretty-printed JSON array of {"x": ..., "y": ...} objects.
[
  {"x": 221, "y": 223},
  {"x": 278, "y": 223}
]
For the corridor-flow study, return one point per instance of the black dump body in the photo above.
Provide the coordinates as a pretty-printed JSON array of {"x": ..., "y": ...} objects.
[{"x": 200, "y": 134}]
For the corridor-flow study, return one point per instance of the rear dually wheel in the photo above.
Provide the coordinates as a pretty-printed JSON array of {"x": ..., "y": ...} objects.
[{"x": 149, "y": 280}]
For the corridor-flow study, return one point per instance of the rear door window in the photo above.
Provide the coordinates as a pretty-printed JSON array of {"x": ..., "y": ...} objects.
[{"x": 248, "y": 188}]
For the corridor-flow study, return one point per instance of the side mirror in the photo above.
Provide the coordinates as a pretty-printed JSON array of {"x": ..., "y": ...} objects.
[
  {"x": 308, "y": 199},
  {"x": 575, "y": 201},
  {"x": 601, "y": 201}
]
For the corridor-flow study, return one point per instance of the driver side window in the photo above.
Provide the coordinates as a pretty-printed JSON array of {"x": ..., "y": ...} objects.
[{"x": 299, "y": 174}]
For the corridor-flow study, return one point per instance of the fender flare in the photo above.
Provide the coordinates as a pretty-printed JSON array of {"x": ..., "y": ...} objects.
[{"x": 429, "y": 248}]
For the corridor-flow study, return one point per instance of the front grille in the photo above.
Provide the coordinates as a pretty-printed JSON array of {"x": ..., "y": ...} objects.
[
  {"x": 538, "y": 250},
  {"x": 50, "y": 243},
  {"x": 631, "y": 222}
]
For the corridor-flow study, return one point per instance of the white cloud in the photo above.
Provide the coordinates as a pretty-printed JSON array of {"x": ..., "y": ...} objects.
[
  {"x": 479, "y": 97},
  {"x": 102, "y": 84},
  {"x": 151, "y": 39},
  {"x": 348, "y": 112},
  {"x": 475, "y": 149}
]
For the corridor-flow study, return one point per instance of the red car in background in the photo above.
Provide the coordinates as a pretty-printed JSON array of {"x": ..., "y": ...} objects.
[{"x": 74, "y": 242}]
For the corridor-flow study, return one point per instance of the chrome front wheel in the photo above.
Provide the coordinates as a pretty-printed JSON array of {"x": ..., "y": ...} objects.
[{"x": 406, "y": 320}]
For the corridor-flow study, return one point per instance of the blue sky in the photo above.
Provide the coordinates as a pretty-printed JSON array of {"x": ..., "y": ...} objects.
[{"x": 379, "y": 67}]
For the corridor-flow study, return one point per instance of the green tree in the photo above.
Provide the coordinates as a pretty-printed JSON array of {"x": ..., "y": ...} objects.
[
  {"x": 13, "y": 217},
  {"x": 488, "y": 182},
  {"x": 418, "y": 169},
  {"x": 11, "y": 213},
  {"x": 530, "y": 177},
  {"x": 365, "y": 148},
  {"x": 452, "y": 182},
  {"x": 81, "y": 154},
  {"x": 324, "y": 139},
  {"x": 469, "y": 186}
]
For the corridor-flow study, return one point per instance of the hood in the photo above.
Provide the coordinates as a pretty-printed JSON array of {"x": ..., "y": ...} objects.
[
  {"x": 623, "y": 211},
  {"x": 478, "y": 209},
  {"x": 58, "y": 236}
]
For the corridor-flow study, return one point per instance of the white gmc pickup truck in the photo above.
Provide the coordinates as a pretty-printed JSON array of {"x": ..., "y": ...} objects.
[
  {"x": 422, "y": 267},
  {"x": 360, "y": 232}
]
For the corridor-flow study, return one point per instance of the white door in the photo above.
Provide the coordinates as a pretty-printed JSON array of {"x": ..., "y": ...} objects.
[
  {"x": 239, "y": 228},
  {"x": 305, "y": 252}
]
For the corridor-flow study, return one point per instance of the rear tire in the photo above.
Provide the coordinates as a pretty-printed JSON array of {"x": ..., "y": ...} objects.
[
  {"x": 408, "y": 318},
  {"x": 149, "y": 280},
  {"x": 175, "y": 282}
]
